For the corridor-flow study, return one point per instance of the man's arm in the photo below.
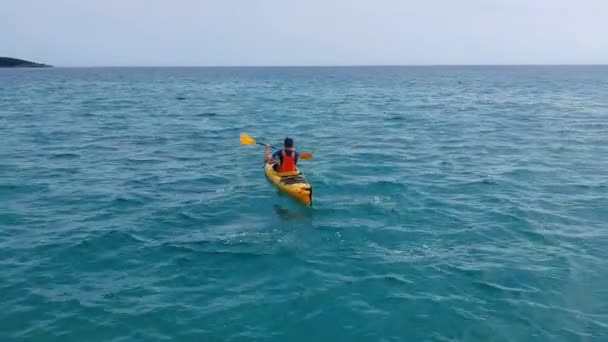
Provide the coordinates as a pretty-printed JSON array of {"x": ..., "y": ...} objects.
[{"x": 271, "y": 157}]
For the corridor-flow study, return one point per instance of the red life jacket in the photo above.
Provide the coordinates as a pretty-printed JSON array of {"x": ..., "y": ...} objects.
[{"x": 289, "y": 162}]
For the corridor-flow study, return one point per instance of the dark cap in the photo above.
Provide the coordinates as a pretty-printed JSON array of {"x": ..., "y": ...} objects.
[{"x": 288, "y": 142}]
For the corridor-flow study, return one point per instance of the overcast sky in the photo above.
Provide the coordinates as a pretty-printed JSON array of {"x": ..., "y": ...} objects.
[{"x": 304, "y": 32}]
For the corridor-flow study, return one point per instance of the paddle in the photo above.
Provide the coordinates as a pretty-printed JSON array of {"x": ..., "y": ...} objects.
[{"x": 247, "y": 140}]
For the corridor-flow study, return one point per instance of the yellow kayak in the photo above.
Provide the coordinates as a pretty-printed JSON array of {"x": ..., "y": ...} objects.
[{"x": 292, "y": 183}]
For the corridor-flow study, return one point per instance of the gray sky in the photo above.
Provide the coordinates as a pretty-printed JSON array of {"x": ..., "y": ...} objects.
[{"x": 304, "y": 32}]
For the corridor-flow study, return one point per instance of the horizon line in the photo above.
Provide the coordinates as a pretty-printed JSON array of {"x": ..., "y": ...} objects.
[{"x": 332, "y": 65}]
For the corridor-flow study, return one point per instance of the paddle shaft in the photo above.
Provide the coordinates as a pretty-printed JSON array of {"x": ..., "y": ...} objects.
[
  {"x": 303, "y": 156},
  {"x": 247, "y": 140},
  {"x": 262, "y": 144}
]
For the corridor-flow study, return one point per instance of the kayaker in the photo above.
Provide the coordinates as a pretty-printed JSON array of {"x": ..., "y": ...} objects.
[{"x": 285, "y": 160}]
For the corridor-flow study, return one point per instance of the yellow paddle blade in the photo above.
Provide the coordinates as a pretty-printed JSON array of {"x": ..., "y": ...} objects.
[
  {"x": 305, "y": 156},
  {"x": 247, "y": 140}
]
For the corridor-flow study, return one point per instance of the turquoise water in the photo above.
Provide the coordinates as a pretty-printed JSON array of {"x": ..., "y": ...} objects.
[{"x": 451, "y": 204}]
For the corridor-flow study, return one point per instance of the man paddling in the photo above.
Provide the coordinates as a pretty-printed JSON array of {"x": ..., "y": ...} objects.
[{"x": 285, "y": 160}]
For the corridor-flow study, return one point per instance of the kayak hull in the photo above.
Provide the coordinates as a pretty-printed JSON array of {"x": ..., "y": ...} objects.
[{"x": 292, "y": 183}]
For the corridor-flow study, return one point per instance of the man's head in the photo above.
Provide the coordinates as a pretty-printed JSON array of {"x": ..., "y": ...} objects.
[{"x": 288, "y": 143}]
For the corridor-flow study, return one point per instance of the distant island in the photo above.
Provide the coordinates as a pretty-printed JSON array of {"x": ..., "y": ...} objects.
[{"x": 7, "y": 62}]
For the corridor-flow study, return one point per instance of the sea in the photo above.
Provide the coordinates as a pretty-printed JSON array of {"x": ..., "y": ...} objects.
[{"x": 450, "y": 204}]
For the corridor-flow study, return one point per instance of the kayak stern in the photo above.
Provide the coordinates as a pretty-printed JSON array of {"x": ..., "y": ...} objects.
[{"x": 292, "y": 183}]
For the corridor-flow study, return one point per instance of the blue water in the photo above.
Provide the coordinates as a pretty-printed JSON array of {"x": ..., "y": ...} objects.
[{"x": 451, "y": 204}]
